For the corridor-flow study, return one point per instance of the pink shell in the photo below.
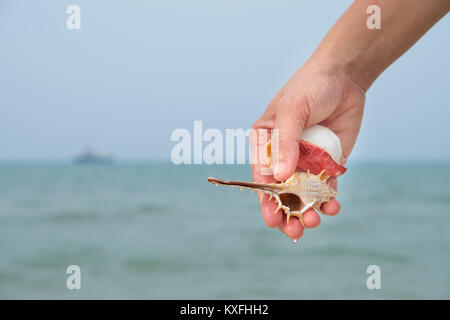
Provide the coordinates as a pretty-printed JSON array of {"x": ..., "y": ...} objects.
[{"x": 316, "y": 159}]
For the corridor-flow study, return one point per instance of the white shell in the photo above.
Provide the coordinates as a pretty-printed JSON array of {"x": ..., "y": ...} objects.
[{"x": 326, "y": 139}]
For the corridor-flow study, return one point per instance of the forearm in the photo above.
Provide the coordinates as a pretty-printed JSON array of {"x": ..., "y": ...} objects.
[{"x": 365, "y": 53}]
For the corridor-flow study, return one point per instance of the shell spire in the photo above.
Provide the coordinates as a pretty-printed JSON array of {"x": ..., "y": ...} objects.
[{"x": 302, "y": 191}]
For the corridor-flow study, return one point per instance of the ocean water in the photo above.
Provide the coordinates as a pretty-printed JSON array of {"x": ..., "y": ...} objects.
[{"x": 162, "y": 232}]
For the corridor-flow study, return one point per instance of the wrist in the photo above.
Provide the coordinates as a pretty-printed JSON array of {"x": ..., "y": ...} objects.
[{"x": 350, "y": 67}]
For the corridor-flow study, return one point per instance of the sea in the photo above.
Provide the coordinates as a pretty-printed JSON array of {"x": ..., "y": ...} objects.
[{"x": 160, "y": 231}]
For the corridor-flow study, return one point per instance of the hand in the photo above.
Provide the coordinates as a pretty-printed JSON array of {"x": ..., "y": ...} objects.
[
  {"x": 330, "y": 89},
  {"x": 314, "y": 95}
]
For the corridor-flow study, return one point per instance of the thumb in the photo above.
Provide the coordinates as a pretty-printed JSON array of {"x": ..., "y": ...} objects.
[{"x": 289, "y": 126}]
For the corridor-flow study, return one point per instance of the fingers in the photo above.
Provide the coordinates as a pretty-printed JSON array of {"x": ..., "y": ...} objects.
[
  {"x": 290, "y": 121},
  {"x": 331, "y": 207},
  {"x": 311, "y": 219},
  {"x": 294, "y": 229},
  {"x": 268, "y": 208},
  {"x": 278, "y": 219}
]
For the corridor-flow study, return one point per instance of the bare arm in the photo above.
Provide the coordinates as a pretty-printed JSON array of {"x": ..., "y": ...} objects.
[
  {"x": 329, "y": 89},
  {"x": 366, "y": 53}
]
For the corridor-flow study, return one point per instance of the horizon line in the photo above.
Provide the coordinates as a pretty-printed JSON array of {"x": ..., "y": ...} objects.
[{"x": 125, "y": 161}]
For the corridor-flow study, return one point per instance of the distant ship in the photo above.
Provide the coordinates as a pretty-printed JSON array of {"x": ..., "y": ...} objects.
[{"x": 91, "y": 157}]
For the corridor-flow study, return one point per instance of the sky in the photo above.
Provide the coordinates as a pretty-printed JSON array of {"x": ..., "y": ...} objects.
[{"x": 137, "y": 70}]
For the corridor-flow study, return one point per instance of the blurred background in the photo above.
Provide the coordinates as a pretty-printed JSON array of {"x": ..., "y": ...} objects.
[{"x": 111, "y": 94}]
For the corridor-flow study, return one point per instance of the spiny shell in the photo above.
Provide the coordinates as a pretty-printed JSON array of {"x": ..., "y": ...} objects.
[
  {"x": 302, "y": 191},
  {"x": 320, "y": 157}
]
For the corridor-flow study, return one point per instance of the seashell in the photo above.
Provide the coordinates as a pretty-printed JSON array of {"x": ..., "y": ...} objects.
[
  {"x": 320, "y": 158},
  {"x": 320, "y": 149},
  {"x": 302, "y": 191}
]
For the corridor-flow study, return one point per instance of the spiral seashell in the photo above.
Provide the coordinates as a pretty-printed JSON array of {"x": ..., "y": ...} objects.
[
  {"x": 320, "y": 157},
  {"x": 302, "y": 191}
]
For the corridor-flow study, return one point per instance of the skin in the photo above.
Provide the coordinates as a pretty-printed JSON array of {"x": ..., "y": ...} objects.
[{"x": 329, "y": 89}]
